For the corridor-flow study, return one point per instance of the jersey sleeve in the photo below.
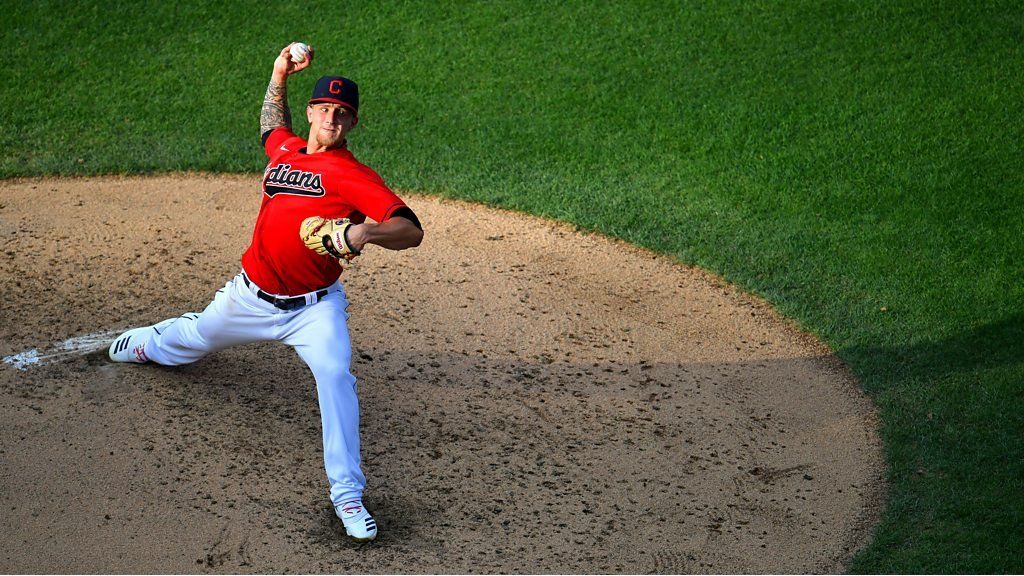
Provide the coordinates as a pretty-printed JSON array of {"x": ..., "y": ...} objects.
[
  {"x": 275, "y": 141},
  {"x": 373, "y": 198}
]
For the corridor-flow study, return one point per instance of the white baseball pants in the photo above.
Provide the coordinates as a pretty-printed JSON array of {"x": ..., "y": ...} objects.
[{"x": 317, "y": 331}]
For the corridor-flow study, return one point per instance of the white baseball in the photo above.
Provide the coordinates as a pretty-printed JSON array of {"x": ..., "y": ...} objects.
[{"x": 299, "y": 52}]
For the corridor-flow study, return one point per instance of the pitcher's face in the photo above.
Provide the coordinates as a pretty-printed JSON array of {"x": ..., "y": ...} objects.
[{"x": 329, "y": 123}]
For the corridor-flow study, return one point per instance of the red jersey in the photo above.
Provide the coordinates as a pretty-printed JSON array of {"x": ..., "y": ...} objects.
[{"x": 296, "y": 185}]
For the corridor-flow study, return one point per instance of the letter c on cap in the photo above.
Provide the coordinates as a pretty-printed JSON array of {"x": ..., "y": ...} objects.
[{"x": 335, "y": 86}]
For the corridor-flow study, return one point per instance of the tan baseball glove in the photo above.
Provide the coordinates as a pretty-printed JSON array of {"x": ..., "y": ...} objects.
[{"x": 326, "y": 236}]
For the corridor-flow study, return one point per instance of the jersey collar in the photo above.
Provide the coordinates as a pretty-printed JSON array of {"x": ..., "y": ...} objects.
[{"x": 339, "y": 151}]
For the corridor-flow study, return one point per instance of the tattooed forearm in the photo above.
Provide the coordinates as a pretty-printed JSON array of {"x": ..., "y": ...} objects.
[{"x": 275, "y": 111}]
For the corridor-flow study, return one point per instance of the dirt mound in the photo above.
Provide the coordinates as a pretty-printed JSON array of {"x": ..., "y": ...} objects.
[{"x": 533, "y": 399}]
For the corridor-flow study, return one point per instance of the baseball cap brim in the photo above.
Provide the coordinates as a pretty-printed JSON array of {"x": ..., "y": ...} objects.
[{"x": 334, "y": 101}]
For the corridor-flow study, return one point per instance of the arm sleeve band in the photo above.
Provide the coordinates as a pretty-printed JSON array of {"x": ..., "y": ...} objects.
[{"x": 408, "y": 214}]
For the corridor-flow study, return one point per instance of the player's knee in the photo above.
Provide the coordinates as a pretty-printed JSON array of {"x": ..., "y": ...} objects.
[{"x": 334, "y": 370}]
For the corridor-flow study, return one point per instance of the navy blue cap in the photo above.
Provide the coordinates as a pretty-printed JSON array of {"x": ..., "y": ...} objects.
[{"x": 338, "y": 90}]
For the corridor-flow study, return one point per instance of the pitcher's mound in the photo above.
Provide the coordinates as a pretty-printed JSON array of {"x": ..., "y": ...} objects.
[{"x": 534, "y": 399}]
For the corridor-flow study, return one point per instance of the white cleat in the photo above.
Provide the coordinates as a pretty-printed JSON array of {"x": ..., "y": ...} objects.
[
  {"x": 357, "y": 520},
  {"x": 130, "y": 346}
]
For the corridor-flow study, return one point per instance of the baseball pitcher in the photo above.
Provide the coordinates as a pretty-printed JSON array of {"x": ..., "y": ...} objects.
[{"x": 313, "y": 219}]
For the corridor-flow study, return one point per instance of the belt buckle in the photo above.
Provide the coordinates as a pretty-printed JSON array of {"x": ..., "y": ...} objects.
[{"x": 288, "y": 303}]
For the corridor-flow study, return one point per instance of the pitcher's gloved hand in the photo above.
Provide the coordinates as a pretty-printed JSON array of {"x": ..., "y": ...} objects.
[{"x": 327, "y": 236}]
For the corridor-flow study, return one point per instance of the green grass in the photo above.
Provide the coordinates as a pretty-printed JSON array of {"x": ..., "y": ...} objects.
[{"x": 857, "y": 164}]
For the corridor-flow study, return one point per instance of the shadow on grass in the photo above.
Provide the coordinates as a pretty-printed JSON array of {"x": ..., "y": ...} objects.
[
  {"x": 955, "y": 416},
  {"x": 994, "y": 345}
]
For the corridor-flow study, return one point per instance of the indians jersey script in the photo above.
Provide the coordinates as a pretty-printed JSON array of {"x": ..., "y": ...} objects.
[{"x": 296, "y": 185}]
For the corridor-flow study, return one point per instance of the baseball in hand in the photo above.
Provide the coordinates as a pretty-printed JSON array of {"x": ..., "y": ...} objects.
[{"x": 300, "y": 52}]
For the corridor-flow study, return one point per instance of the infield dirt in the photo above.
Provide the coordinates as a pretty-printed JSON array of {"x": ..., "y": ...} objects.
[{"x": 533, "y": 398}]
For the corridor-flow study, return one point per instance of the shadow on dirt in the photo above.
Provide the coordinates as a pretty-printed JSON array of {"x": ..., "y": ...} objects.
[{"x": 498, "y": 465}]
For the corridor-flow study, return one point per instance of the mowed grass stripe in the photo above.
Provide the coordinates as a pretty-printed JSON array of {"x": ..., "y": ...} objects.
[{"x": 857, "y": 164}]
